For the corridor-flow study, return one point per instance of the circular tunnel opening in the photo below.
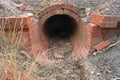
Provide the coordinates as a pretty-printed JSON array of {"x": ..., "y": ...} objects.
[{"x": 60, "y": 26}]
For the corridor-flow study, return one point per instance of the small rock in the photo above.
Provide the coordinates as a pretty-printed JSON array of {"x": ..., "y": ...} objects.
[
  {"x": 21, "y": 7},
  {"x": 108, "y": 71},
  {"x": 58, "y": 56},
  {"x": 98, "y": 74}
]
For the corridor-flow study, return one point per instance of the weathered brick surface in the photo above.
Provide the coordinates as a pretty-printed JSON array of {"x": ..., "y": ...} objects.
[
  {"x": 37, "y": 44},
  {"x": 86, "y": 39},
  {"x": 80, "y": 50},
  {"x": 94, "y": 34},
  {"x": 58, "y": 7},
  {"x": 11, "y": 23},
  {"x": 108, "y": 24},
  {"x": 75, "y": 16},
  {"x": 102, "y": 45},
  {"x": 55, "y": 10},
  {"x": 104, "y": 21},
  {"x": 20, "y": 30},
  {"x": 60, "y": 11},
  {"x": 81, "y": 42}
]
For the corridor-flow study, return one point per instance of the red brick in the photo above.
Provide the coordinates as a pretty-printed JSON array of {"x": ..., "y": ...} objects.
[
  {"x": 93, "y": 27},
  {"x": 102, "y": 45},
  {"x": 59, "y": 11},
  {"x": 11, "y": 23},
  {"x": 44, "y": 11},
  {"x": 110, "y": 19},
  {"x": 96, "y": 34},
  {"x": 117, "y": 18},
  {"x": 95, "y": 40},
  {"x": 84, "y": 53},
  {"x": 109, "y": 32},
  {"x": 108, "y": 24},
  {"x": 104, "y": 21},
  {"x": 70, "y": 13},
  {"x": 68, "y": 6},
  {"x": 81, "y": 51},
  {"x": 38, "y": 41},
  {"x": 96, "y": 19},
  {"x": 57, "y": 7}
]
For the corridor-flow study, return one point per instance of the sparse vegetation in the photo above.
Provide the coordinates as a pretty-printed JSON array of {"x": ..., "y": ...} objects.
[
  {"x": 18, "y": 64},
  {"x": 10, "y": 66}
]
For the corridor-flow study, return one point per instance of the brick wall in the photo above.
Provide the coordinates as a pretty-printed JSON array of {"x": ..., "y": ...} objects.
[{"x": 88, "y": 38}]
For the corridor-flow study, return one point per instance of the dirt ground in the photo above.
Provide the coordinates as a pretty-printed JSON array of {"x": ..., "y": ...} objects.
[
  {"x": 61, "y": 65},
  {"x": 102, "y": 65},
  {"x": 105, "y": 64}
]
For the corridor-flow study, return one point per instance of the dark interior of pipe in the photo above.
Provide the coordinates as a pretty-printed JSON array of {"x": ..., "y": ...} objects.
[{"x": 60, "y": 26}]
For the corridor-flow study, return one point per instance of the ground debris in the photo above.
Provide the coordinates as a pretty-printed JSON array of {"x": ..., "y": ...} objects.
[{"x": 8, "y": 8}]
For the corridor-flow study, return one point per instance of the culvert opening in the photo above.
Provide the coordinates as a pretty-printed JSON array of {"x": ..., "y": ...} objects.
[
  {"x": 59, "y": 29},
  {"x": 60, "y": 26}
]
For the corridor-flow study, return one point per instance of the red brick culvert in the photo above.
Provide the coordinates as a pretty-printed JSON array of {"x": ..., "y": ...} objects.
[{"x": 86, "y": 38}]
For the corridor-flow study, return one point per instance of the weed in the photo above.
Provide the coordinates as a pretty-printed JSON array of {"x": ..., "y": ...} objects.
[{"x": 9, "y": 51}]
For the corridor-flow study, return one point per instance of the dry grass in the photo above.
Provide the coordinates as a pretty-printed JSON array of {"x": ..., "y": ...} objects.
[
  {"x": 9, "y": 50},
  {"x": 15, "y": 67}
]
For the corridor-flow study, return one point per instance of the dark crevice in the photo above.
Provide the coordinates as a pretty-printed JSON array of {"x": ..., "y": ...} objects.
[{"x": 60, "y": 26}]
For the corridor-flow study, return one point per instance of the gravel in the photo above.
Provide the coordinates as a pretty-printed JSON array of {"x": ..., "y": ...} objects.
[
  {"x": 90, "y": 6},
  {"x": 105, "y": 65},
  {"x": 8, "y": 8},
  {"x": 94, "y": 5},
  {"x": 61, "y": 66},
  {"x": 114, "y": 9},
  {"x": 102, "y": 65}
]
